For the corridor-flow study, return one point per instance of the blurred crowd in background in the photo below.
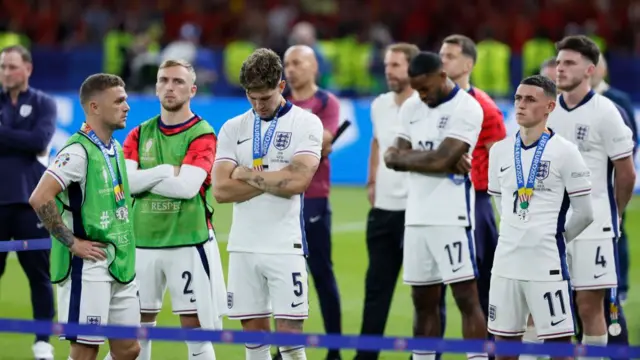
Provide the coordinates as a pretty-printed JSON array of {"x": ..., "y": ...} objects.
[{"x": 71, "y": 39}]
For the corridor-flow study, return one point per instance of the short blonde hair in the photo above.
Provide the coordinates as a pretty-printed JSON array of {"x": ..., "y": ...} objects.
[
  {"x": 409, "y": 50},
  {"x": 183, "y": 63}
]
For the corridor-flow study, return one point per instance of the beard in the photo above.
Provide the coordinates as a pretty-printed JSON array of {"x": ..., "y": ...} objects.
[
  {"x": 173, "y": 107},
  {"x": 569, "y": 87},
  {"x": 398, "y": 85}
]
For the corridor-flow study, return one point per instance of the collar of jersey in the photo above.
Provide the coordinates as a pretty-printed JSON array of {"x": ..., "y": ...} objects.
[
  {"x": 282, "y": 112},
  {"x": 584, "y": 100},
  {"x": 535, "y": 143},
  {"x": 451, "y": 95}
]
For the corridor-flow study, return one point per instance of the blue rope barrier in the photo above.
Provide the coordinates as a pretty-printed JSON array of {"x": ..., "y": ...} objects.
[
  {"x": 316, "y": 340},
  {"x": 25, "y": 245}
]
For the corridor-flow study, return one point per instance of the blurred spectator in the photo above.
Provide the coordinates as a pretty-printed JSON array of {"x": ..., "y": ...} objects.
[{"x": 304, "y": 33}]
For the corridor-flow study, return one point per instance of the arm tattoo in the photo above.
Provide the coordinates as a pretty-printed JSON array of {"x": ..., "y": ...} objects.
[
  {"x": 277, "y": 186},
  {"x": 52, "y": 221}
]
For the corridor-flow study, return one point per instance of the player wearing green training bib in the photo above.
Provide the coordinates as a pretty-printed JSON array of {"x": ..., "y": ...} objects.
[
  {"x": 84, "y": 201},
  {"x": 169, "y": 158}
]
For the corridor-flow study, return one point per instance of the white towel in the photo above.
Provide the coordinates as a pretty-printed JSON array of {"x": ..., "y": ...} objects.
[{"x": 209, "y": 289}]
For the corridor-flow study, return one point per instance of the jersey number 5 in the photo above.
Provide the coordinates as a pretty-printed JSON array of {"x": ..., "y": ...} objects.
[{"x": 297, "y": 284}]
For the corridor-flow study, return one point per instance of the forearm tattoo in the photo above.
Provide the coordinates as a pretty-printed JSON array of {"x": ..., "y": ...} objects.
[
  {"x": 277, "y": 185},
  {"x": 52, "y": 221}
]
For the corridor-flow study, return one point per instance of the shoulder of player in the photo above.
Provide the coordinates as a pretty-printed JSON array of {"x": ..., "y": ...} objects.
[
  {"x": 503, "y": 145},
  {"x": 75, "y": 150},
  {"x": 297, "y": 113},
  {"x": 382, "y": 100},
  {"x": 487, "y": 104},
  {"x": 563, "y": 146},
  {"x": 231, "y": 125},
  {"x": 326, "y": 97},
  {"x": 605, "y": 106},
  {"x": 469, "y": 105}
]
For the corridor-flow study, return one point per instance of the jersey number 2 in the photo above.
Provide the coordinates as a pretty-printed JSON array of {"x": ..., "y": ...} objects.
[{"x": 187, "y": 284}]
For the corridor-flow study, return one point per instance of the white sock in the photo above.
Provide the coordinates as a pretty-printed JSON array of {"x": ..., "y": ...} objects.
[
  {"x": 202, "y": 350},
  {"x": 477, "y": 356},
  {"x": 530, "y": 337},
  {"x": 423, "y": 355},
  {"x": 108, "y": 357},
  {"x": 145, "y": 345},
  {"x": 293, "y": 353},
  {"x": 257, "y": 352},
  {"x": 600, "y": 340}
]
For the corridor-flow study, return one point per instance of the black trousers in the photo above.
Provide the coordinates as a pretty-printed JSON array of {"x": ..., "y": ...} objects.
[
  {"x": 20, "y": 222},
  {"x": 385, "y": 235}
]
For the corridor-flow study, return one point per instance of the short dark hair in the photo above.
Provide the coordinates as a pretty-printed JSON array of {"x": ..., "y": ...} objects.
[
  {"x": 409, "y": 50},
  {"x": 580, "y": 44},
  {"x": 547, "y": 63},
  {"x": 467, "y": 45},
  {"x": 98, "y": 83},
  {"x": 24, "y": 53},
  {"x": 262, "y": 70},
  {"x": 425, "y": 63},
  {"x": 546, "y": 84}
]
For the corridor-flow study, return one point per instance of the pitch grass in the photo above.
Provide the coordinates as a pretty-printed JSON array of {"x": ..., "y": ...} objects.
[{"x": 350, "y": 260}]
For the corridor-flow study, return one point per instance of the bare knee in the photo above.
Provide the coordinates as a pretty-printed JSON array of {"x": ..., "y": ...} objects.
[
  {"x": 124, "y": 349},
  {"x": 466, "y": 295},
  {"x": 289, "y": 326},
  {"x": 590, "y": 304},
  {"x": 189, "y": 321},
  {"x": 83, "y": 351},
  {"x": 258, "y": 324},
  {"x": 426, "y": 299},
  {"x": 148, "y": 317}
]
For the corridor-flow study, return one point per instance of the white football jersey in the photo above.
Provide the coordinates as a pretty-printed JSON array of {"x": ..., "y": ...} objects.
[
  {"x": 440, "y": 199},
  {"x": 597, "y": 128},
  {"x": 391, "y": 186},
  {"x": 534, "y": 248},
  {"x": 269, "y": 224}
]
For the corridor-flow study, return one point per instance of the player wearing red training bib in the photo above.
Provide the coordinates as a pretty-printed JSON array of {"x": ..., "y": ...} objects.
[
  {"x": 169, "y": 159},
  {"x": 458, "y": 54}
]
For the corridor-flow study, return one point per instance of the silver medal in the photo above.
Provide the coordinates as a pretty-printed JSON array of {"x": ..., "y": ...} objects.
[{"x": 615, "y": 329}]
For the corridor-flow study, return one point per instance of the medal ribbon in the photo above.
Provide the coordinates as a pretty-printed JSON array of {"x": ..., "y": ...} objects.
[
  {"x": 260, "y": 147},
  {"x": 525, "y": 192},
  {"x": 118, "y": 189}
]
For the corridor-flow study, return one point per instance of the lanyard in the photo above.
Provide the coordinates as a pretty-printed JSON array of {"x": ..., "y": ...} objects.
[
  {"x": 115, "y": 179},
  {"x": 260, "y": 146},
  {"x": 525, "y": 192}
]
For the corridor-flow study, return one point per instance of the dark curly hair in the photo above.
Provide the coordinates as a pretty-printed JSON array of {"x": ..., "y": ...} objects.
[{"x": 262, "y": 70}]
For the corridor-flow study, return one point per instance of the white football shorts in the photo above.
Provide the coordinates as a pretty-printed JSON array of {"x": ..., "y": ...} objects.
[
  {"x": 438, "y": 254},
  {"x": 97, "y": 303},
  {"x": 549, "y": 303},
  {"x": 172, "y": 268},
  {"x": 592, "y": 264},
  {"x": 260, "y": 285}
]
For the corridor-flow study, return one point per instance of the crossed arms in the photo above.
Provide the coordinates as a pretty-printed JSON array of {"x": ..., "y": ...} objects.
[
  {"x": 232, "y": 183},
  {"x": 449, "y": 157}
]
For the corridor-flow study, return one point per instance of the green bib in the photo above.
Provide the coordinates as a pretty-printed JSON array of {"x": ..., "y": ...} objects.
[
  {"x": 94, "y": 216},
  {"x": 159, "y": 221}
]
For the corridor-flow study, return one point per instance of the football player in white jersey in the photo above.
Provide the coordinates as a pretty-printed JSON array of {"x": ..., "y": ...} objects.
[
  {"x": 440, "y": 129},
  {"x": 533, "y": 177},
  {"x": 595, "y": 125},
  {"x": 265, "y": 160}
]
